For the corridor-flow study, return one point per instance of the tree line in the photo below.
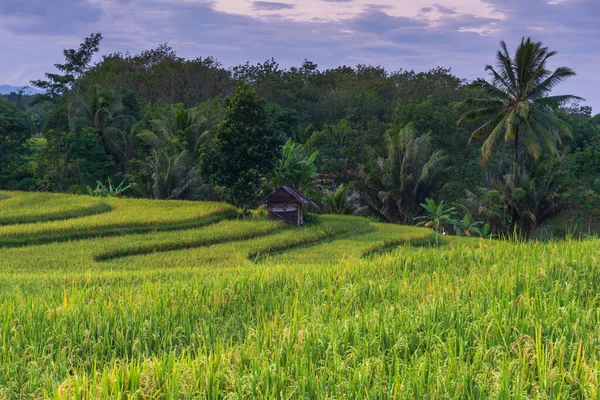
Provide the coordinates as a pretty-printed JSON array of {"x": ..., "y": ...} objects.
[{"x": 399, "y": 146}]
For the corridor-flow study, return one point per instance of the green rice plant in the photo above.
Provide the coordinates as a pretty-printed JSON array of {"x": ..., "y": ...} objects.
[
  {"x": 27, "y": 207},
  {"x": 221, "y": 232},
  {"x": 354, "y": 245},
  {"x": 257, "y": 309},
  {"x": 127, "y": 216}
]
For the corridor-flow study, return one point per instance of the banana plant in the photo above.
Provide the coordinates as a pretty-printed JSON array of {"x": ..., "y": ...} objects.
[{"x": 438, "y": 217}]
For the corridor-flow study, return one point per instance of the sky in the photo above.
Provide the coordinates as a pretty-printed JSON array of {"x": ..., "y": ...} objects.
[{"x": 396, "y": 34}]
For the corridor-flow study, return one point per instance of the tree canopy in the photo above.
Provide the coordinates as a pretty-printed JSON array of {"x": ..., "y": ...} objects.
[{"x": 357, "y": 139}]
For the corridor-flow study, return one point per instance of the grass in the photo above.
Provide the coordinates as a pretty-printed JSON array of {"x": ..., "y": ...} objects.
[
  {"x": 126, "y": 216},
  {"x": 255, "y": 309},
  {"x": 27, "y": 207},
  {"x": 353, "y": 246}
]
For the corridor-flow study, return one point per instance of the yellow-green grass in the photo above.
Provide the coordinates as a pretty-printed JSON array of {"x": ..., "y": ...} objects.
[
  {"x": 227, "y": 243},
  {"x": 27, "y": 207},
  {"x": 247, "y": 309},
  {"x": 353, "y": 246},
  {"x": 127, "y": 216}
]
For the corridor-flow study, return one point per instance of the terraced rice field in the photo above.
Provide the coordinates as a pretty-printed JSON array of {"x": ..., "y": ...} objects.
[{"x": 122, "y": 298}]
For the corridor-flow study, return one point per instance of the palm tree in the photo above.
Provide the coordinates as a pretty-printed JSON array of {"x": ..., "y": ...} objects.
[
  {"x": 172, "y": 177},
  {"x": 104, "y": 113},
  {"x": 394, "y": 183},
  {"x": 179, "y": 128},
  {"x": 543, "y": 194},
  {"x": 517, "y": 105},
  {"x": 175, "y": 137},
  {"x": 338, "y": 201}
]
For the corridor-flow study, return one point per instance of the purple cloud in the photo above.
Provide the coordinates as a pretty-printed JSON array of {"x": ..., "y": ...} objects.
[
  {"x": 271, "y": 6},
  {"x": 34, "y": 33}
]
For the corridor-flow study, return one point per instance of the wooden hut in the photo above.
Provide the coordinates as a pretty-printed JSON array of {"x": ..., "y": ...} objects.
[{"x": 287, "y": 204}]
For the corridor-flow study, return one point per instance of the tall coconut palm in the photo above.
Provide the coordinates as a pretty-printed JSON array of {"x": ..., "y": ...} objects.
[{"x": 517, "y": 103}]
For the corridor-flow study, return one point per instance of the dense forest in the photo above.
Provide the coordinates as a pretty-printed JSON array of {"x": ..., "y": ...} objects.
[{"x": 500, "y": 156}]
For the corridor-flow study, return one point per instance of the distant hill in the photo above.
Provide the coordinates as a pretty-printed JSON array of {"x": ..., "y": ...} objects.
[{"x": 7, "y": 89}]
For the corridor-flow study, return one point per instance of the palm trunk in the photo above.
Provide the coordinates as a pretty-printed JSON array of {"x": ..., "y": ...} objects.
[
  {"x": 515, "y": 159},
  {"x": 515, "y": 215}
]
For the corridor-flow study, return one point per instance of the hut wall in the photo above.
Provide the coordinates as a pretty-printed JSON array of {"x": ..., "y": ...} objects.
[{"x": 288, "y": 212}]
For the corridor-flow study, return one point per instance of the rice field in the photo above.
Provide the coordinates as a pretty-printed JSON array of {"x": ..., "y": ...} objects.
[{"x": 163, "y": 300}]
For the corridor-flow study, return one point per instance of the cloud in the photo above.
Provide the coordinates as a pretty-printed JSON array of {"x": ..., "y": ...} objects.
[
  {"x": 444, "y": 10},
  {"x": 271, "y": 6},
  {"x": 462, "y": 34},
  {"x": 49, "y": 17}
]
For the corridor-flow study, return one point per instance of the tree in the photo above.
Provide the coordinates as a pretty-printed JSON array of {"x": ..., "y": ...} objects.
[
  {"x": 339, "y": 202},
  {"x": 172, "y": 177},
  {"x": 396, "y": 181},
  {"x": 542, "y": 194},
  {"x": 245, "y": 148},
  {"x": 295, "y": 168},
  {"x": 77, "y": 62},
  {"x": 175, "y": 136},
  {"x": 71, "y": 161},
  {"x": 517, "y": 105},
  {"x": 177, "y": 128},
  {"x": 104, "y": 113},
  {"x": 15, "y": 130}
]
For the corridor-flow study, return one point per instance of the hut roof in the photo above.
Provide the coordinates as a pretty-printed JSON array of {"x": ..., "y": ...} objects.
[{"x": 293, "y": 192}]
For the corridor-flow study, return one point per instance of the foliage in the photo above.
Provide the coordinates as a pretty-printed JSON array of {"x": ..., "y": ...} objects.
[
  {"x": 339, "y": 201},
  {"x": 346, "y": 114},
  {"x": 15, "y": 129},
  {"x": 343, "y": 140},
  {"x": 295, "y": 168},
  {"x": 541, "y": 196},
  {"x": 175, "y": 136},
  {"x": 233, "y": 291},
  {"x": 173, "y": 178},
  {"x": 439, "y": 216},
  {"x": 471, "y": 228},
  {"x": 77, "y": 62},
  {"x": 245, "y": 148},
  {"x": 176, "y": 129},
  {"x": 586, "y": 165},
  {"x": 104, "y": 113},
  {"x": 70, "y": 159},
  {"x": 538, "y": 198},
  {"x": 103, "y": 190},
  {"x": 517, "y": 105},
  {"x": 394, "y": 182}
]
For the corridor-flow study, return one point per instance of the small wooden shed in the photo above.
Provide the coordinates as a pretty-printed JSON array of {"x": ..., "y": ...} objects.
[{"x": 287, "y": 204}]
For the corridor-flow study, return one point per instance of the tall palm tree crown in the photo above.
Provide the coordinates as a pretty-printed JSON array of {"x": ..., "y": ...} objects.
[
  {"x": 105, "y": 114},
  {"x": 517, "y": 103},
  {"x": 394, "y": 182}
]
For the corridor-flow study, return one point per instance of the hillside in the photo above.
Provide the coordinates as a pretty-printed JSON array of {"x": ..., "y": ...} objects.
[
  {"x": 8, "y": 89},
  {"x": 104, "y": 297}
]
